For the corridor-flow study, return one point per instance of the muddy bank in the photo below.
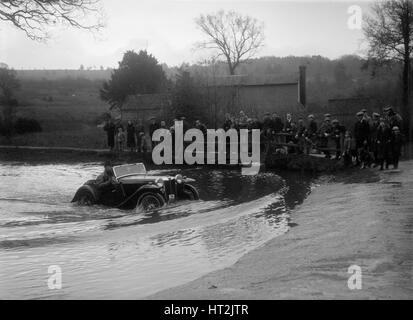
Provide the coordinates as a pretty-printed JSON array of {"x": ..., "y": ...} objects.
[
  {"x": 347, "y": 221},
  {"x": 303, "y": 162}
]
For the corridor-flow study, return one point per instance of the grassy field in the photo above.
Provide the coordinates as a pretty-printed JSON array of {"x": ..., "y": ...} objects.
[{"x": 69, "y": 112}]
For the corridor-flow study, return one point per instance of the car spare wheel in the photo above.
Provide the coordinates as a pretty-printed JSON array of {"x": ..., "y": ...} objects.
[
  {"x": 150, "y": 201},
  {"x": 190, "y": 192}
]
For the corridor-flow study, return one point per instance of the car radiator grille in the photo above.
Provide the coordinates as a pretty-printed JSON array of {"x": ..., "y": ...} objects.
[{"x": 170, "y": 187}]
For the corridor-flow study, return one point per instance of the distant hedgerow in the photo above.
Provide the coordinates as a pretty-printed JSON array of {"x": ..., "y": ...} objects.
[{"x": 25, "y": 125}]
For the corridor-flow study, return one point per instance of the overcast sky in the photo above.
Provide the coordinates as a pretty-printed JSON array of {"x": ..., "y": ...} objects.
[{"x": 166, "y": 29}]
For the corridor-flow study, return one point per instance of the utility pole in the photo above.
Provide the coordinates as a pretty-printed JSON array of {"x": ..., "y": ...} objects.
[{"x": 410, "y": 102}]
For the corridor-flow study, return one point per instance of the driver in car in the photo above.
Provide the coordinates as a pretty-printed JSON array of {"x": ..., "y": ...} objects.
[{"x": 107, "y": 178}]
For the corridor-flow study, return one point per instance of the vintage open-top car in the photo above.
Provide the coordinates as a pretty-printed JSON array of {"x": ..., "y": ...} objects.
[{"x": 133, "y": 187}]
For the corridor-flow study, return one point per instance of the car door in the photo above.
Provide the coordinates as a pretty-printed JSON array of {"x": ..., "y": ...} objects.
[{"x": 113, "y": 195}]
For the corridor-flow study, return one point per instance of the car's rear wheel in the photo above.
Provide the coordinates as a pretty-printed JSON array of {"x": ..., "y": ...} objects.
[
  {"x": 190, "y": 192},
  {"x": 150, "y": 201},
  {"x": 86, "y": 198}
]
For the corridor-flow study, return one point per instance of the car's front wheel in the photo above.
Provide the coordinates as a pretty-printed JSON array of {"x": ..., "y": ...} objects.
[
  {"x": 190, "y": 192},
  {"x": 150, "y": 201}
]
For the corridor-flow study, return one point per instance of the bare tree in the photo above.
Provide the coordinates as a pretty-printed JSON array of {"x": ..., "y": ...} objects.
[
  {"x": 236, "y": 37},
  {"x": 8, "y": 84},
  {"x": 33, "y": 16},
  {"x": 389, "y": 31}
]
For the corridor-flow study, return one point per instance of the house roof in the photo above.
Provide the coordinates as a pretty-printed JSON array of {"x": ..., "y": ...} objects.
[{"x": 256, "y": 80}]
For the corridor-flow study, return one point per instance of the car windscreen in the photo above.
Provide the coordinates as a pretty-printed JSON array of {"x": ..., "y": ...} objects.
[{"x": 129, "y": 169}]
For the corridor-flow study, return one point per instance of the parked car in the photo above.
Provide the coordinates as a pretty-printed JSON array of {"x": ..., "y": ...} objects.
[{"x": 134, "y": 188}]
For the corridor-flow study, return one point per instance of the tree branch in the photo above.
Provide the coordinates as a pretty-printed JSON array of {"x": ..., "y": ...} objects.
[
  {"x": 236, "y": 37},
  {"x": 34, "y": 16}
]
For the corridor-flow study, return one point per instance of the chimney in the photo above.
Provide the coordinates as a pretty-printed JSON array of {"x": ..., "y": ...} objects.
[{"x": 302, "y": 94}]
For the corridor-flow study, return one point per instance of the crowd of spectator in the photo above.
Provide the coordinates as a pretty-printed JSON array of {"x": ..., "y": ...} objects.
[{"x": 374, "y": 140}]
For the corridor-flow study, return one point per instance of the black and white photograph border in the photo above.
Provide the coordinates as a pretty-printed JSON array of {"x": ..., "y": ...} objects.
[{"x": 206, "y": 150}]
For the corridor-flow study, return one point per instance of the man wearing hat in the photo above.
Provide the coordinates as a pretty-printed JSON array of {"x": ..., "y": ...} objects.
[
  {"x": 152, "y": 128},
  {"x": 366, "y": 116},
  {"x": 383, "y": 144},
  {"x": 300, "y": 136},
  {"x": 110, "y": 129},
  {"x": 338, "y": 136},
  {"x": 386, "y": 111},
  {"x": 375, "y": 123},
  {"x": 312, "y": 127},
  {"x": 185, "y": 124},
  {"x": 397, "y": 139},
  {"x": 310, "y": 133},
  {"x": 288, "y": 127},
  {"x": 395, "y": 120},
  {"x": 105, "y": 179},
  {"x": 324, "y": 133},
  {"x": 200, "y": 126},
  {"x": 361, "y": 133},
  {"x": 139, "y": 132},
  {"x": 227, "y": 122},
  {"x": 243, "y": 120},
  {"x": 276, "y": 123},
  {"x": 266, "y": 121}
]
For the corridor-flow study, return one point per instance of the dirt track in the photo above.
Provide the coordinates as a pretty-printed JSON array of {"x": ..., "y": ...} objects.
[{"x": 369, "y": 224}]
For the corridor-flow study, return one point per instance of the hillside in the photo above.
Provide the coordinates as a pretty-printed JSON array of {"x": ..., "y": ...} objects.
[
  {"x": 67, "y": 103},
  {"x": 67, "y": 109}
]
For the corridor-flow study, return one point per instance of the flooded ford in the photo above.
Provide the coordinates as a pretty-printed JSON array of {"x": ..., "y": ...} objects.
[{"x": 106, "y": 253}]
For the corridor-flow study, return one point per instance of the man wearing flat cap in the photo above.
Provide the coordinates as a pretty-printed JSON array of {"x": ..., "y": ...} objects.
[
  {"x": 375, "y": 123},
  {"x": 227, "y": 122},
  {"x": 361, "y": 132},
  {"x": 310, "y": 133},
  {"x": 395, "y": 120},
  {"x": 397, "y": 139},
  {"x": 266, "y": 123},
  {"x": 185, "y": 124},
  {"x": 338, "y": 136},
  {"x": 152, "y": 128},
  {"x": 324, "y": 133},
  {"x": 366, "y": 116}
]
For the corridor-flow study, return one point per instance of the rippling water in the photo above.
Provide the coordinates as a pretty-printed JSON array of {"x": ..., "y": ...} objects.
[{"x": 111, "y": 254}]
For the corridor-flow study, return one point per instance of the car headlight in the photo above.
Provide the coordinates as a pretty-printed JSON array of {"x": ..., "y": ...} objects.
[
  {"x": 179, "y": 179},
  {"x": 159, "y": 182}
]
